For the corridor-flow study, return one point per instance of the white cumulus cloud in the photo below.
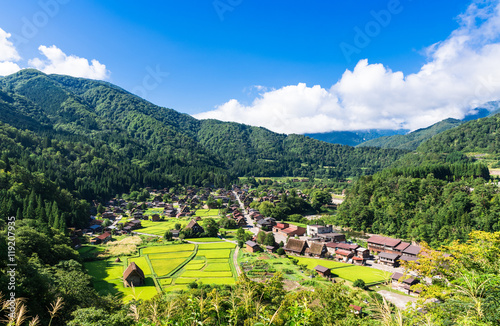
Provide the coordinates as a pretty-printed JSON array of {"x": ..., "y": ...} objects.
[
  {"x": 57, "y": 62},
  {"x": 8, "y": 55},
  {"x": 461, "y": 73}
]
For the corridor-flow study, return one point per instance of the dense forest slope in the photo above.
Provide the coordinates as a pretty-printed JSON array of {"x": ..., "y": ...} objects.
[
  {"x": 480, "y": 136},
  {"x": 114, "y": 140},
  {"x": 412, "y": 140},
  {"x": 437, "y": 194}
]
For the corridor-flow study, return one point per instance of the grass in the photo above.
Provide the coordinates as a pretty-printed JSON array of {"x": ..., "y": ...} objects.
[
  {"x": 164, "y": 266},
  {"x": 217, "y": 267},
  {"x": 158, "y": 227},
  {"x": 218, "y": 260},
  {"x": 205, "y": 240},
  {"x": 194, "y": 267},
  {"x": 347, "y": 271},
  {"x": 165, "y": 281},
  {"x": 90, "y": 252},
  {"x": 215, "y": 253},
  {"x": 104, "y": 269},
  {"x": 142, "y": 263},
  {"x": 302, "y": 225},
  {"x": 207, "y": 212},
  {"x": 169, "y": 248},
  {"x": 126, "y": 246},
  {"x": 107, "y": 280},
  {"x": 222, "y": 245},
  {"x": 170, "y": 255},
  {"x": 206, "y": 274}
]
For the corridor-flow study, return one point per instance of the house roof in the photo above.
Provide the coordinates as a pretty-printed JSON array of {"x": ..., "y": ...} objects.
[
  {"x": 406, "y": 279},
  {"x": 412, "y": 250},
  {"x": 408, "y": 258},
  {"x": 321, "y": 269},
  {"x": 388, "y": 255},
  {"x": 133, "y": 268},
  {"x": 103, "y": 236},
  {"x": 191, "y": 224},
  {"x": 385, "y": 241},
  {"x": 357, "y": 308},
  {"x": 295, "y": 245},
  {"x": 343, "y": 252},
  {"x": 346, "y": 246},
  {"x": 316, "y": 248},
  {"x": 251, "y": 244},
  {"x": 402, "y": 246}
]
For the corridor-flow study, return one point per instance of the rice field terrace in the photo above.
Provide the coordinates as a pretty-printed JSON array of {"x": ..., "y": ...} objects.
[{"x": 166, "y": 268}]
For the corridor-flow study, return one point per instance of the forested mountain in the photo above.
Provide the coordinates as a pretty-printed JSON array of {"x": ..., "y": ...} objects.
[
  {"x": 437, "y": 194},
  {"x": 474, "y": 136},
  {"x": 353, "y": 138},
  {"x": 412, "y": 140},
  {"x": 96, "y": 139}
]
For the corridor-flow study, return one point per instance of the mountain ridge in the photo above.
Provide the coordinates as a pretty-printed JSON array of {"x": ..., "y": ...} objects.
[{"x": 159, "y": 146}]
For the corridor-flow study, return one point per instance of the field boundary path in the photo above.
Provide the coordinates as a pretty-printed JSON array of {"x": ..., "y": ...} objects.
[
  {"x": 152, "y": 235},
  {"x": 235, "y": 261}
]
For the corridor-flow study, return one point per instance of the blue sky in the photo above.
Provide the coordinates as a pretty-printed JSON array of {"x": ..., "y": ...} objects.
[{"x": 207, "y": 57}]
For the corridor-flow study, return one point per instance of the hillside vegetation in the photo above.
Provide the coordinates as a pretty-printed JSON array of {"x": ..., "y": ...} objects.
[{"x": 412, "y": 140}]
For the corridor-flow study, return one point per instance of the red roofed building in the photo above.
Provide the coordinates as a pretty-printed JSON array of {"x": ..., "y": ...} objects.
[
  {"x": 103, "y": 238},
  {"x": 343, "y": 255}
]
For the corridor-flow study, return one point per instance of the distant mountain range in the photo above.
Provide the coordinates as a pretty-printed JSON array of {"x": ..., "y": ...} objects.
[
  {"x": 353, "y": 138},
  {"x": 401, "y": 139},
  {"x": 412, "y": 140}
]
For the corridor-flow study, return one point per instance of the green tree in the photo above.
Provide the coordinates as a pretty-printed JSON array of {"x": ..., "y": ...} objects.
[
  {"x": 269, "y": 239},
  {"x": 320, "y": 198},
  {"x": 168, "y": 236}
]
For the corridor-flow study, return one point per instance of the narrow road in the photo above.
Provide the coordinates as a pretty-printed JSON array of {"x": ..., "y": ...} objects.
[
  {"x": 235, "y": 261},
  {"x": 152, "y": 235},
  {"x": 249, "y": 219}
]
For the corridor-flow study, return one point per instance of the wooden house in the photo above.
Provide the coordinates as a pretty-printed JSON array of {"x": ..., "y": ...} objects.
[
  {"x": 252, "y": 246},
  {"x": 388, "y": 259},
  {"x": 355, "y": 309},
  {"x": 380, "y": 244},
  {"x": 323, "y": 271},
  {"x": 295, "y": 246},
  {"x": 195, "y": 227},
  {"x": 404, "y": 283},
  {"x": 316, "y": 249},
  {"x": 343, "y": 255},
  {"x": 133, "y": 276}
]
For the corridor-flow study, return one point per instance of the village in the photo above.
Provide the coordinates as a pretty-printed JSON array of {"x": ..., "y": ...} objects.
[{"x": 181, "y": 217}]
